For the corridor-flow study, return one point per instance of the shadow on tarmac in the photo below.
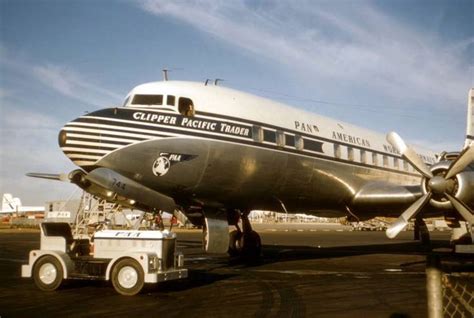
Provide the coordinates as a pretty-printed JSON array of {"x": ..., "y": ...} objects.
[{"x": 284, "y": 253}]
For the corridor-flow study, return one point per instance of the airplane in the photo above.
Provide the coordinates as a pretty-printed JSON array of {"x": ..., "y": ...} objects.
[
  {"x": 216, "y": 154},
  {"x": 12, "y": 205}
]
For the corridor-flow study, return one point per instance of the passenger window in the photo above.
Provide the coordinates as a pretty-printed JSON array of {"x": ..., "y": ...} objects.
[
  {"x": 312, "y": 145},
  {"x": 385, "y": 161},
  {"x": 280, "y": 138},
  {"x": 395, "y": 163},
  {"x": 337, "y": 151},
  {"x": 186, "y": 107},
  {"x": 257, "y": 133},
  {"x": 147, "y": 100},
  {"x": 290, "y": 140},
  {"x": 170, "y": 100},
  {"x": 299, "y": 145},
  {"x": 269, "y": 136}
]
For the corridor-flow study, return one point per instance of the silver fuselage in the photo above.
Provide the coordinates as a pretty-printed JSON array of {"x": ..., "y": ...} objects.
[{"x": 228, "y": 155}]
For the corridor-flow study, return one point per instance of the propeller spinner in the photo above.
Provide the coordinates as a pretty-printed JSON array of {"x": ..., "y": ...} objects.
[{"x": 439, "y": 185}]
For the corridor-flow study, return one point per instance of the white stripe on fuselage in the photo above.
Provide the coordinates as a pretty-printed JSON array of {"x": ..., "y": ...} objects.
[
  {"x": 95, "y": 137},
  {"x": 175, "y": 127},
  {"x": 121, "y": 125},
  {"x": 105, "y": 131}
]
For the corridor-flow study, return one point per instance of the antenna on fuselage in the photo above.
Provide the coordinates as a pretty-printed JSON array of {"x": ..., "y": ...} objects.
[
  {"x": 165, "y": 74},
  {"x": 217, "y": 80}
]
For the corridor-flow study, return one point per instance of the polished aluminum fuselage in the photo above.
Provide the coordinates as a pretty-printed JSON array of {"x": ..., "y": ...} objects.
[{"x": 229, "y": 156}]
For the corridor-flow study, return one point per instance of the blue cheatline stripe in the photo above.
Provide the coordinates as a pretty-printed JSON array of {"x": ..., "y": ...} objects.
[{"x": 317, "y": 144}]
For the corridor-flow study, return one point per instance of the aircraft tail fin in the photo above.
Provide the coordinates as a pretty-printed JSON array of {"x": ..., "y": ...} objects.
[
  {"x": 470, "y": 119},
  {"x": 9, "y": 203}
]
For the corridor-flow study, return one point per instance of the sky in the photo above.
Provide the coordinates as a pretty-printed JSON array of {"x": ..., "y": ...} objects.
[{"x": 399, "y": 65}]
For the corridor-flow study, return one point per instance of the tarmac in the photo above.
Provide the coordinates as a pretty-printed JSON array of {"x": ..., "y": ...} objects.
[{"x": 305, "y": 271}]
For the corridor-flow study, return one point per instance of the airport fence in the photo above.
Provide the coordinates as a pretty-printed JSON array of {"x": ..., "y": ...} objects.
[
  {"x": 458, "y": 294},
  {"x": 449, "y": 293}
]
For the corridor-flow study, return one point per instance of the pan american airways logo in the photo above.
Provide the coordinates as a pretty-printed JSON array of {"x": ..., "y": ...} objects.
[{"x": 163, "y": 163}]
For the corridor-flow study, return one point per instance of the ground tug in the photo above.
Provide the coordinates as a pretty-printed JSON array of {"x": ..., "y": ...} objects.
[{"x": 129, "y": 258}]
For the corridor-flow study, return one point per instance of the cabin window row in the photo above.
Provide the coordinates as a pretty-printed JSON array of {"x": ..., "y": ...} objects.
[
  {"x": 185, "y": 105},
  {"x": 369, "y": 157},
  {"x": 279, "y": 137}
]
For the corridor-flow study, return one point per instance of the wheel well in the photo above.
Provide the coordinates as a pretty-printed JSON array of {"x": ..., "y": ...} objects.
[
  {"x": 114, "y": 262},
  {"x": 59, "y": 259}
]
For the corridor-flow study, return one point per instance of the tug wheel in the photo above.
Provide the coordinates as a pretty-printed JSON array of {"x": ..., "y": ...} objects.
[
  {"x": 127, "y": 277},
  {"x": 48, "y": 273}
]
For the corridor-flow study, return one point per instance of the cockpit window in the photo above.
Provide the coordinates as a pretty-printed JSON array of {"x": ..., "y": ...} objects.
[
  {"x": 147, "y": 100},
  {"x": 170, "y": 100},
  {"x": 186, "y": 106}
]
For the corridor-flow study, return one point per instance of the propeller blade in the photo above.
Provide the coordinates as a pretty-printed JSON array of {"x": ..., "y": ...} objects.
[
  {"x": 395, "y": 228},
  {"x": 409, "y": 154},
  {"x": 50, "y": 176},
  {"x": 461, "y": 162},
  {"x": 463, "y": 209}
]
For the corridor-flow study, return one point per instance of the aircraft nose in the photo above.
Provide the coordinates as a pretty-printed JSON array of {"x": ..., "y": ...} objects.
[{"x": 62, "y": 137}]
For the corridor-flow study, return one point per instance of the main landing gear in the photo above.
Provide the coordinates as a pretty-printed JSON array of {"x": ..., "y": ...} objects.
[
  {"x": 421, "y": 232},
  {"x": 244, "y": 242}
]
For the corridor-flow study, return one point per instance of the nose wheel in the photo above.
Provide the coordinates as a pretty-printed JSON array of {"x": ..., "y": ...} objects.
[{"x": 245, "y": 243}]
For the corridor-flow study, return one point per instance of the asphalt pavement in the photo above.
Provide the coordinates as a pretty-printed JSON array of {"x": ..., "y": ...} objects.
[{"x": 304, "y": 271}]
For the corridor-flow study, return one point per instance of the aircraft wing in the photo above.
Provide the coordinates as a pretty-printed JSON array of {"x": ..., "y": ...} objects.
[{"x": 382, "y": 198}]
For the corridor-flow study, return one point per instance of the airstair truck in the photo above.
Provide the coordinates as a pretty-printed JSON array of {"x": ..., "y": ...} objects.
[{"x": 128, "y": 258}]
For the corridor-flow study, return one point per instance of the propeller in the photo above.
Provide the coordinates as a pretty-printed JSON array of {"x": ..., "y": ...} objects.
[
  {"x": 50, "y": 176},
  {"x": 440, "y": 185}
]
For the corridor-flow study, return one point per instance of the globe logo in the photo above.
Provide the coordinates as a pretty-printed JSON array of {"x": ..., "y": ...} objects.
[{"x": 161, "y": 166}]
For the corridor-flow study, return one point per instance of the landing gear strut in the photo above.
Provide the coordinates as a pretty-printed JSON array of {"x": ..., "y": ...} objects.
[
  {"x": 421, "y": 232},
  {"x": 244, "y": 242}
]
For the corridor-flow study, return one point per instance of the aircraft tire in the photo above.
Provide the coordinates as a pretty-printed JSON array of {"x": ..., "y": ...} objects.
[
  {"x": 248, "y": 245},
  {"x": 127, "y": 277},
  {"x": 251, "y": 245},
  {"x": 48, "y": 273},
  {"x": 234, "y": 243}
]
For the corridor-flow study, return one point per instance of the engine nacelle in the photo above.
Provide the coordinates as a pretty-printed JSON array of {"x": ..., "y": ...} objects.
[
  {"x": 460, "y": 186},
  {"x": 114, "y": 187}
]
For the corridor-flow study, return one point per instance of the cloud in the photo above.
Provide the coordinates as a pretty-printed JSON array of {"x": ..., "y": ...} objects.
[
  {"x": 71, "y": 84},
  {"x": 31, "y": 147},
  {"x": 60, "y": 79},
  {"x": 28, "y": 133},
  {"x": 341, "y": 42}
]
